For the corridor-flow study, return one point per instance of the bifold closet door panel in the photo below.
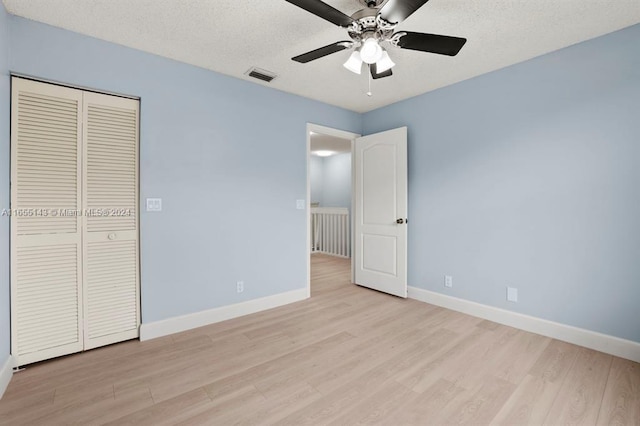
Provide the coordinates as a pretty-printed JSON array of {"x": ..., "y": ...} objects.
[
  {"x": 46, "y": 228},
  {"x": 111, "y": 265}
]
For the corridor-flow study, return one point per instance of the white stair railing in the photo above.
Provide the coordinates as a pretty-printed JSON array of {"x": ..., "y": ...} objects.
[{"x": 330, "y": 231}]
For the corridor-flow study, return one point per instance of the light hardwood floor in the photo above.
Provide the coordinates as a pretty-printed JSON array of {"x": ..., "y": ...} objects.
[{"x": 346, "y": 356}]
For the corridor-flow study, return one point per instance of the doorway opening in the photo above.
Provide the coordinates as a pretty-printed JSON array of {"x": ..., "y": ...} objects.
[{"x": 330, "y": 186}]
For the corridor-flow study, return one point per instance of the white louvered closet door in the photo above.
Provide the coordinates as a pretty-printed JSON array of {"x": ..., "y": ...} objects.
[
  {"x": 46, "y": 231},
  {"x": 111, "y": 267},
  {"x": 74, "y": 225}
]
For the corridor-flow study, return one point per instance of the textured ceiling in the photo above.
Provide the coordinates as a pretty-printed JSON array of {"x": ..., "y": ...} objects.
[{"x": 230, "y": 36}]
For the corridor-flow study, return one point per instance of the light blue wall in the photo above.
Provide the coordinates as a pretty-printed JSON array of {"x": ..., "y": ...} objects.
[
  {"x": 330, "y": 180},
  {"x": 316, "y": 178},
  {"x": 336, "y": 191},
  {"x": 5, "y": 99},
  {"x": 530, "y": 177},
  {"x": 229, "y": 203}
]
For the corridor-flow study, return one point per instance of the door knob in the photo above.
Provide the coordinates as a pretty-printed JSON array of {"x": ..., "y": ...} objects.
[{"x": 400, "y": 221}]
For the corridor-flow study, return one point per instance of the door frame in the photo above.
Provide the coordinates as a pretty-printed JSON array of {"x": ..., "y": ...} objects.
[{"x": 342, "y": 134}]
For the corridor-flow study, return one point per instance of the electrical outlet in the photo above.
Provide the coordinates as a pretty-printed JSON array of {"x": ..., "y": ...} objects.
[
  {"x": 448, "y": 281},
  {"x": 512, "y": 294},
  {"x": 240, "y": 286}
]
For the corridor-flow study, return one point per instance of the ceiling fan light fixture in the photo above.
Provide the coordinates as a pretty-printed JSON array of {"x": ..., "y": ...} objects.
[
  {"x": 372, "y": 28},
  {"x": 385, "y": 63},
  {"x": 354, "y": 63},
  {"x": 371, "y": 52}
]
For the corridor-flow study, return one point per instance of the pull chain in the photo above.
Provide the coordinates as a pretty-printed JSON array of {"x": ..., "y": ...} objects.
[{"x": 369, "y": 93}]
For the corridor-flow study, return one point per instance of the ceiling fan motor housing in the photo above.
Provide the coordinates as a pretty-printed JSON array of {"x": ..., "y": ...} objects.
[
  {"x": 371, "y": 3},
  {"x": 367, "y": 23}
]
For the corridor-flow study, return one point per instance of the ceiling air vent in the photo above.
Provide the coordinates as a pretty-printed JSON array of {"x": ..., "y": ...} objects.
[{"x": 261, "y": 74}]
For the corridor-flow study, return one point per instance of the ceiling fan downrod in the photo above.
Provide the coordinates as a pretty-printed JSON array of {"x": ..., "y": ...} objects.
[{"x": 371, "y": 3}]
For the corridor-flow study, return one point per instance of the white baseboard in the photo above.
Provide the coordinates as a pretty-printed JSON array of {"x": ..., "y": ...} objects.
[
  {"x": 199, "y": 319},
  {"x": 590, "y": 339},
  {"x": 6, "y": 372}
]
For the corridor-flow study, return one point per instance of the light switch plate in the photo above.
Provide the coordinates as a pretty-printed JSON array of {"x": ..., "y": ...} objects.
[
  {"x": 154, "y": 204},
  {"x": 300, "y": 204},
  {"x": 512, "y": 294}
]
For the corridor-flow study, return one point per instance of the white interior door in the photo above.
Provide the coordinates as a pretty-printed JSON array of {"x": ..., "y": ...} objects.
[
  {"x": 46, "y": 231},
  {"x": 381, "y": 211},
  {"x": 74, "y": 226},
  {"x": 111, "y": 269}
]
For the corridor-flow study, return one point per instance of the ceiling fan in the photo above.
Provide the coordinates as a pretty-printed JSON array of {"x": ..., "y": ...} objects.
[{"x": 371, "y": 29}]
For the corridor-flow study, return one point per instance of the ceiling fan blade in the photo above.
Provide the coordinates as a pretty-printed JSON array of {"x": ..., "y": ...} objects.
[
  {"x": 396, "y": 11},
  {"x": 323, "y": 51},
  {"x": 375, "y": 75},
  {"x": 324, "y": 11},
  {"x": 432, "y": 43}
]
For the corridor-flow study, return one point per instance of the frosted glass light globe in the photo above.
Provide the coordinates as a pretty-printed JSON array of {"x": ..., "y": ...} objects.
[
  {"x": 385, "y": 63},
  {"x": 354, "y": 63},
  {"x": 370, "y": 52}
]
